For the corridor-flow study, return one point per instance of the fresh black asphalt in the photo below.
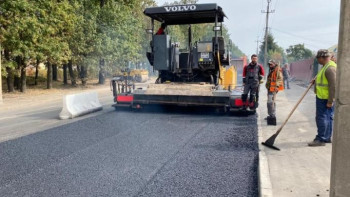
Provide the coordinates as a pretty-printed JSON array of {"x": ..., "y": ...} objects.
[{"x": 124, "y": 153}]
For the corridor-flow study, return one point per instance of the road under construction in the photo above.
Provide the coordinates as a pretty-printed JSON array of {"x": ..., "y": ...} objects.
[{"x": 176, "y": 143}]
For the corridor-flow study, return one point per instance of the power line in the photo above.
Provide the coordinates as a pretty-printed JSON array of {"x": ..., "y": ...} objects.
[
  {"x": 304, "y": 38},
  {"x": 261, "y": 19},
  {"x": 322, "y": 34},
  {"x": 273, "y": 17},
  {"x": 313, "y": 45}
]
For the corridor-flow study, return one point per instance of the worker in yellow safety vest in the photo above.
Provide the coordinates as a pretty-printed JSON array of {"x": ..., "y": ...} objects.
[{"x": 325, "y": 96}]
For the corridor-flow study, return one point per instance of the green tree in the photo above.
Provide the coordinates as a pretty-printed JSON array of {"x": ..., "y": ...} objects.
[
  {"x": 57, "y": 19},
  {"x": 272, "y": 49},
  {"x": 298, "y": 52},
  {"x": 82, "y": 41},
  {"x": 19, "y": 32},
  {"x": 117, "y": 35},
  {"x": 32, "y": 31},
  {"x": 277, "y": 56}
]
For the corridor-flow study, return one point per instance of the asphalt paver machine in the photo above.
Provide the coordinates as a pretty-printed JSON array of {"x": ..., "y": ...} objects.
[{"x": 201, "y": 75}]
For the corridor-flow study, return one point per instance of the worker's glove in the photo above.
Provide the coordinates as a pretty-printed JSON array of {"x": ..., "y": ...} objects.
[
  {"x": 244, "y": 80},
  {"x": 261, "y": 81},
  {"x": 312, "y": 81},
  {"x": 329, "y": 105}
]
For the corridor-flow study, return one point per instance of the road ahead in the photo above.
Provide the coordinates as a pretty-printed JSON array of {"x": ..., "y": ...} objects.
[{"x": 123, "y": 153}]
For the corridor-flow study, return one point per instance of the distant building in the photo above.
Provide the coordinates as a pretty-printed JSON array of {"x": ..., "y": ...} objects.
[
  {"x": 305, "y": 70},
  {"x": 302, "y": 70}
]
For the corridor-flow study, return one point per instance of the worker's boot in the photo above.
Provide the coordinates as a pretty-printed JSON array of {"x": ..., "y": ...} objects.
[
  {"x": 316, "y": 143},
  {"x": 252, "y": 103},
  {"x": 271, "y": 120},
  {"x": 244, "y": 100},
  {"x": 244, "y": 107}
]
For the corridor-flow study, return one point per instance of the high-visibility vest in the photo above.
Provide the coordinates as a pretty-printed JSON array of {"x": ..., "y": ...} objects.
[
  {"x": 322, "y": 90},
  {"x": 273, "y": 78}
]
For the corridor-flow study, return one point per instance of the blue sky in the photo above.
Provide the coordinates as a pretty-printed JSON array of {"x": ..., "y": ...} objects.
[{"x": 312, "y": 22}]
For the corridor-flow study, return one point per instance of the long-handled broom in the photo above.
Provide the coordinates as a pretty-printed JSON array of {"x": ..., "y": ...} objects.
[{"x": 269, "y": 142}]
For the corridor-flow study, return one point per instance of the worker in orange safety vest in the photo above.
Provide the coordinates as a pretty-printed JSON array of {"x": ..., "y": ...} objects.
[{"x": 274, "y": 84}]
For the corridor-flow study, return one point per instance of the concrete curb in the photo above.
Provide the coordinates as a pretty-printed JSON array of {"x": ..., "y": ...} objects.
[{"x": 265, "y": 186}]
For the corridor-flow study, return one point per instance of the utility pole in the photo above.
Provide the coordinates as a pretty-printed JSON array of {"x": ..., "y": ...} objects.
[
  {"x": 340, "y": 170},
  {"x": 257, "y": 45},
  {"x": 268, "y": 11}
]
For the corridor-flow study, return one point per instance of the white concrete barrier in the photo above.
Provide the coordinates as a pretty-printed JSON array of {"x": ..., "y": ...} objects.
[{"x": 80, "y": 104}]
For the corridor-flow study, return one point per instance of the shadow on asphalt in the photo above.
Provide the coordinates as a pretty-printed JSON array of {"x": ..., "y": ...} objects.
[
  {"x": 202, "y": 111},
  {"x": 241, "y": 146},
  {"x": 291, "y": 145},
  {"x": 47, "y": 115}
]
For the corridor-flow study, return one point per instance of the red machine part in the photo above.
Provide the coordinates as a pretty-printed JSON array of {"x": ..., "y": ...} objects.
[
  {"x": 239, "y": 103},
  {"x": 125, "y": 98}
]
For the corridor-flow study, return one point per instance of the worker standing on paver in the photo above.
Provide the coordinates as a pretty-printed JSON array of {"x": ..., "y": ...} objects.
[
  {"x": 274, "y": 84},
  {"x": 286, "y": 75},
  {"x": 325, "y": 96},
  {"x": 252, "y": 75},
  {"x": 161, "y": 30}
]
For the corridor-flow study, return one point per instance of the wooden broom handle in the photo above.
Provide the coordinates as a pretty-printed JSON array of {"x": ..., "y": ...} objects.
[{"x": 296, "y": 106}]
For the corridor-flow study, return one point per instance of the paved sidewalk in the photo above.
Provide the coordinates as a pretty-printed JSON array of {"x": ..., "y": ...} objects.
[{"x": 296, "y": 170}]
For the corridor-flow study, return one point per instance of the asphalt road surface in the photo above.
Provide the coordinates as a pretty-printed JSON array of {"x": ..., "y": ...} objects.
[{"x": 125, "y": 153}]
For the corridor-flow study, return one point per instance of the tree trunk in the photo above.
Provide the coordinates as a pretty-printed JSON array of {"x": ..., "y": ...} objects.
[
  {"x": 71, "y": 73},
  {"x": 79, "y": 71},
  {"x": 49, "y": 75},
  {"x": 65, "y": 77},
  {"x": 102, "y": 3},
  {"x": 101, "y": 75},
  {"x": 17, "y": 82},
  {"x": 23, "y": 78},
  {"x": 10, "y": 80},
  {"x": 36, "y": 72},
  {"x": 54, "y": 72},
  {"x": 83, "y": 75},
  {"x": 18, "y": 73}
]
